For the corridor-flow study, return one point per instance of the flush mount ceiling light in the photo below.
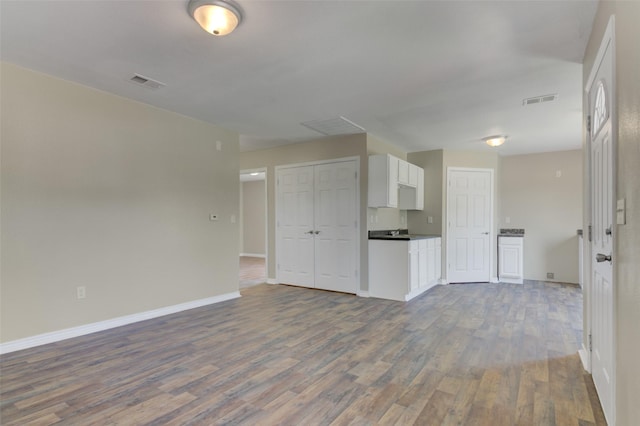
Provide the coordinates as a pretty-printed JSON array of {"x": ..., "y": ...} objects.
[
  {"x": 496, "y": 140},
  {"x": 217, "y": 17}
]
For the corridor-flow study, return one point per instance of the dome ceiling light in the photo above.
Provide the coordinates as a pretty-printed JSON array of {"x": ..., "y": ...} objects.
[
  {"x": 217, "y": 17},
  {"x": 496, "y": 140}
]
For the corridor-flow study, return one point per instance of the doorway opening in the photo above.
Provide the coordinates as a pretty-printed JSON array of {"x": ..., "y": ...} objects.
[{"x": 253, "y": 227}]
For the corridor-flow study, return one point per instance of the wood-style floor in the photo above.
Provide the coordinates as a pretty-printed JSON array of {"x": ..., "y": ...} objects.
[
  {"x": 472, "y": 354},
  {"x": 252, "y": 271}
]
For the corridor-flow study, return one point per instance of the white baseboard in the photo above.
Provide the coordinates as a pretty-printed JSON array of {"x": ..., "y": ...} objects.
[
  {"x": 253, "y": 255},
  {"x": 272, "y": 281},
  {"x": 442, "y": 281},
  {"x": 68, "y": 333},
  {"x": 494, "y": 280},
  {"x": 584, "y": 357},
  {"x": 362, "y": 293}
]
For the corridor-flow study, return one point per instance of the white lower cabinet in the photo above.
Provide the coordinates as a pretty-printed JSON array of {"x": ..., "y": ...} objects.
[
  {"x": 401, "y": 270},
  {"x": 511, "y": 260}
]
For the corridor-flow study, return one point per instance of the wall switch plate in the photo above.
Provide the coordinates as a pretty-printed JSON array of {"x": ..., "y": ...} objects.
[
  {"x": 558, "y": 173},
  {"x": 430, "y": 219},
  {"x": 213, "y": 217},
  {"x": 218, "y": 145},
  {"x": 81, "y": 292},
  {"x": 233, "y": 218},
  {"x": 507, "y": 219}
]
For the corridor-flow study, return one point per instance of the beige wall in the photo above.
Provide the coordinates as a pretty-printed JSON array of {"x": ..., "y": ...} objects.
[
  {"x": 318, "y": 150},
  {"x": 627, "y": 250},
  {"x": 549, "y": 208},
  {"x": 431, "y": 162},
  {"x": 111, "y": 194},
  {"x": 254, "y": 212},
  {"x": 478, "y": 160},
  {"x": 387, "y": 217}
]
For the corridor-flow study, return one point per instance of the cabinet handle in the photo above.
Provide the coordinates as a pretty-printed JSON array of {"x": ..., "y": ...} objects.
[{"x": 485, "y": 233}]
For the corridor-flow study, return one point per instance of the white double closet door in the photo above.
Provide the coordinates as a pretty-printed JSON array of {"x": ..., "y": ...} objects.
[{"x": 317, "y": 225}]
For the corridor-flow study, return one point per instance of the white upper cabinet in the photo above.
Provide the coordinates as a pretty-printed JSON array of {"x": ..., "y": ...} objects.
[
  {"x": 412, "y": 197},
  {"x": 383, "y": 181},
  {"x": 403, "y": 172},
  {"x": 395, "y": 183}
]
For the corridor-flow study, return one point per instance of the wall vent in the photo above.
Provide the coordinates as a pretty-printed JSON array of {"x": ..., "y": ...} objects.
[
  {"x": 539, "y": 99},
  {"x": 147, "y": 82}
]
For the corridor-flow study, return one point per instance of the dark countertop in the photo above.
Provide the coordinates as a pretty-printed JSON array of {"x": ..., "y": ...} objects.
[
  {"x": 399, "y": 235},
  {"x": 511, "y": 232}
]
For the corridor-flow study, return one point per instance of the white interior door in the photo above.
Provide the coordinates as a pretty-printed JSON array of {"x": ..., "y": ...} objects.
[
  {"x": 336, "y": 225},
  {"x": 469, "y": 219},
  {"x": 318, "y": 226},
  {"x": 295, "y": 225},
  {"x": 602, "y": 172}
]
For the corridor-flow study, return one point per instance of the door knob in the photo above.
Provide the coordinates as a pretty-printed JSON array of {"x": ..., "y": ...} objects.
[
  {"x": 603, "y": 257},
  {"x": 608, "y": 231},
  {"x": 485, "y": 233},
  {"x": 309, "y": 232},
  {"x": 316, "y": 232}
]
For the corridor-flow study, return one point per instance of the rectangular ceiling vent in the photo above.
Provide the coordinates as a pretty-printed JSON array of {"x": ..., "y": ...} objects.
[
  {"x": 334, "y": 126},
  {"x": 539, "y": 99},
  {"x": 143, "y": 81}
]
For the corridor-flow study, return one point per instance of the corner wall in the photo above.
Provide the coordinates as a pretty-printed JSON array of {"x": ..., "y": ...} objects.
[
  {"x": 110, "y": 194},
  {"x": 548, "y": 207}
]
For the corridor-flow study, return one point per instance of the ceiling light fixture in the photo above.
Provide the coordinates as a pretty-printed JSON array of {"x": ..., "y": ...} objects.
[
  {"x": 217, "y": 17},
  {"x": 494, "y": 141}
]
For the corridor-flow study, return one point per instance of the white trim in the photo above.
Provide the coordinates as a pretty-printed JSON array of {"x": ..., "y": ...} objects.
[
  {"x": 495, "y": 280},
  {"x": 443, "y": 281},
  {"x": 584, "y": 357},
  {"x": 272, "y": 281},
  {"x": 362, "y": 293},
  {"x": 68, "y": 333},
  {"x": 262, "y": 256},
  {"x": 608, "y": 37}
]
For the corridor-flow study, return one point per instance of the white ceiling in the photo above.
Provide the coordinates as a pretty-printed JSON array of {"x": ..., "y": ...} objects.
[{"x": 419, "y": 74}]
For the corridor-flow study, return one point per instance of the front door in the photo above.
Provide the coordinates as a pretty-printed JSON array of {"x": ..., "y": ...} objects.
[
  {"x": 600, "y": 94},
  {"x": 469, "y": 222}
]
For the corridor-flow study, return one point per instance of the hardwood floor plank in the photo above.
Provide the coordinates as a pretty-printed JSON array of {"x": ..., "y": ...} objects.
[{"x": 485, "y": 354}]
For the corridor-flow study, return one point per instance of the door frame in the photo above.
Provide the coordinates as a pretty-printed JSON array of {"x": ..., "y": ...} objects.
[
  {"x": 608, "y": 39},
  {"x": 492, "y": 240},
  {"x": 357, "y": 212}
]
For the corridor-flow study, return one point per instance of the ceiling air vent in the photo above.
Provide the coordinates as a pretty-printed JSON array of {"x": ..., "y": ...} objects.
[
  {"x": 146, "y": 82},
  {"x": 539, "y": 99},
  {"x": 334, "y": 126}
]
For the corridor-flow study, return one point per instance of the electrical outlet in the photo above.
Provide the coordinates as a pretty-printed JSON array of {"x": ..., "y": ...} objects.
[
  {"x": 550, "y": 275},
  {"x": 213, "y": 217},
  {"x": 81, "y": 292}
]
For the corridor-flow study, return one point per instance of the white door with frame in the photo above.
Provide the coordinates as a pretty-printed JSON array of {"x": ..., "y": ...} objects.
[
  {"x": 317, "y": 224},
  {"x": 469, "y": 224},
  {"x": 602, "y": 153}
]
